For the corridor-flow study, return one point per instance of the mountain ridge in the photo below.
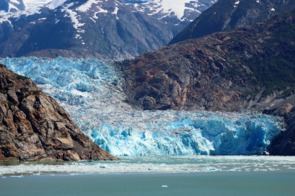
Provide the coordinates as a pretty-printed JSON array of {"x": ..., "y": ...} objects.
[
  {"x": 101, "y": 29},
  {"x": 226, "y": 15},
  {"x": 250, "y": 68}
]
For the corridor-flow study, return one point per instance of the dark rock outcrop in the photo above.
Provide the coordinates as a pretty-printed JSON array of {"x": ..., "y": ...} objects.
[
  {"x": 34, "y": 127},
  {"x": 226, "y": 15},
  {"x": 251, "y": 68}
]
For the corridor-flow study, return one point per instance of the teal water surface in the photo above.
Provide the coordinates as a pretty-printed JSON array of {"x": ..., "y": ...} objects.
[
  {"x": 217, "y": 183},
  {"x": 152, "y": 176}
]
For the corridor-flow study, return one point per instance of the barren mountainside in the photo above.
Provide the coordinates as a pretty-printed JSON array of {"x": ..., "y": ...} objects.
[
  {"x": 250, "y": 68},
  {"x": 226, "y": 15}
]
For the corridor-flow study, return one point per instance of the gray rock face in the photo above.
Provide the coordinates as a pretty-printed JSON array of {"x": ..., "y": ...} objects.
[
  {"x": 230, "y": 14},
  {"x": 34, "y": 127},
  {"x": 246, "y": 69}
]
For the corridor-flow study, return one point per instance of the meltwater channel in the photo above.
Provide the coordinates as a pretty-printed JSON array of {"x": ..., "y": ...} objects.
[{"x": 91, "y": 91}]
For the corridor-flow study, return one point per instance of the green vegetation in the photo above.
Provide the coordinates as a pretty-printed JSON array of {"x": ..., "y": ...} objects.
[
  {"x": 274, "y": 73},
  {"x": 275, "y": 69},
  {"x": 3, "y": 91},
  {"x": 10, "y": 103},
  {"x": 37, "y": 92}
]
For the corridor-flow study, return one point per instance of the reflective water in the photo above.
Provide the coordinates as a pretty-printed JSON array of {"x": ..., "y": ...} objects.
[{"x": 216, "y": 183}]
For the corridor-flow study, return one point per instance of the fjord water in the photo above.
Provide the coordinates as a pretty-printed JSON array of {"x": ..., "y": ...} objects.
[
  {"x": 145, "y": 185},
  {"x": 92, "y": 92},
  {"x": 154, "y": 175}
]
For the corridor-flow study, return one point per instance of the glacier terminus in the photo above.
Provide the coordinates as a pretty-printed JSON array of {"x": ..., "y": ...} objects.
[{"x": 92, "y": 92}]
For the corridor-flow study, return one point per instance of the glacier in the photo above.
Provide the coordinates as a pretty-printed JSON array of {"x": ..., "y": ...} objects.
[{"x": 92, "y": 92}]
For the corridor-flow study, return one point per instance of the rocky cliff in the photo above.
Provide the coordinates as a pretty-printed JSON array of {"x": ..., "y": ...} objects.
[
  {"x": 251, "y": 68},
  {"x": 34, "y": 127}
]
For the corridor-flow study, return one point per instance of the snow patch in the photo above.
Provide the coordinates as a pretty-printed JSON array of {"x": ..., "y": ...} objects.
[
  {"x": 236, "y": 3},
  {"x": 15, "y": 2},
  {"x": 74, "y": 18},
  {"x": 172, "y": 6},
  {"x": 55, "y": 3},
  {"x": 115, "y": 12},
  {"x": 86, "y": 6}
]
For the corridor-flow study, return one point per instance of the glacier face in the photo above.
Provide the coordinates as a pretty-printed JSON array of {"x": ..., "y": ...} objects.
[{"x": 91, "y": 91}]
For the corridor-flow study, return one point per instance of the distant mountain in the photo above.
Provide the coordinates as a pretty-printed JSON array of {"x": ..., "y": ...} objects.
[
  {"x": 34, "y": 127},
  {"x": 250, "y": 68},
  {"x": 12, "y": 5},
  {"x": 230, "y": 14},
  {"x": 94, "y": 28}
]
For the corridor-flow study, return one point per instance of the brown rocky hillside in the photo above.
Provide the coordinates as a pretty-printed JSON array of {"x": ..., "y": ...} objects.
[
  {"x": 251, "y": 68},
  {"x": 34, "y": 127}
]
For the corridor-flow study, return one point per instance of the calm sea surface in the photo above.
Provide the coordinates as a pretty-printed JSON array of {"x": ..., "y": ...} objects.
[{"x": 153, "y": 176}]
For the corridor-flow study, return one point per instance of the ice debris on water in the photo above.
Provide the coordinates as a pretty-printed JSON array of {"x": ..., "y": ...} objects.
[
  {"x": 160, "y": 164},
  {"x": 91, "y": 91}
]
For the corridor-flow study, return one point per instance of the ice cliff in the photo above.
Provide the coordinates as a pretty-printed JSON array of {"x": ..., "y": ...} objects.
[{"x": 91, "y": 91}]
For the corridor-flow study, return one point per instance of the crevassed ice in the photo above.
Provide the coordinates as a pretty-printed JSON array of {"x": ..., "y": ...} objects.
[{"x": 91, "y": 91}]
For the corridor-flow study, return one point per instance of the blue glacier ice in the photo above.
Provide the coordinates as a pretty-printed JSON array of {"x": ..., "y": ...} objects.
[{"x": 91, "y": 91}]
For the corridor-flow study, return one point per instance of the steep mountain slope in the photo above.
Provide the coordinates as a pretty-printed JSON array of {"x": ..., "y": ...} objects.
[
  {"x": 34, "y": 127},
  {"x": 94, "y": 28},
  {"x": 12, "y": 5},
  {"x": 246, "y": 69},
  {"x": 230, "y": 14}
]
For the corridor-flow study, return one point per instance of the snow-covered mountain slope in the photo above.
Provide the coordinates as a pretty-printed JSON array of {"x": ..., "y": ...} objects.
[
  {"x": 185, "y": 10},
  {"x": 94, "y": 28},
  {"x": 91, "y": 91},
  {"x": 182, "y": 9},
  {"x": 38, "y": 4},
  {"x": 33, "y": 5},
  {"x": 13, "y": 10},
  {"x": 12, "y": 5}
]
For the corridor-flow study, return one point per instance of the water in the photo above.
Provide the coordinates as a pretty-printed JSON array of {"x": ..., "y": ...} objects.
[
  {"x": 221, "y": 183},
  {"x": 165, "y": 175},
  {"x": 157, "y": 165}
]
